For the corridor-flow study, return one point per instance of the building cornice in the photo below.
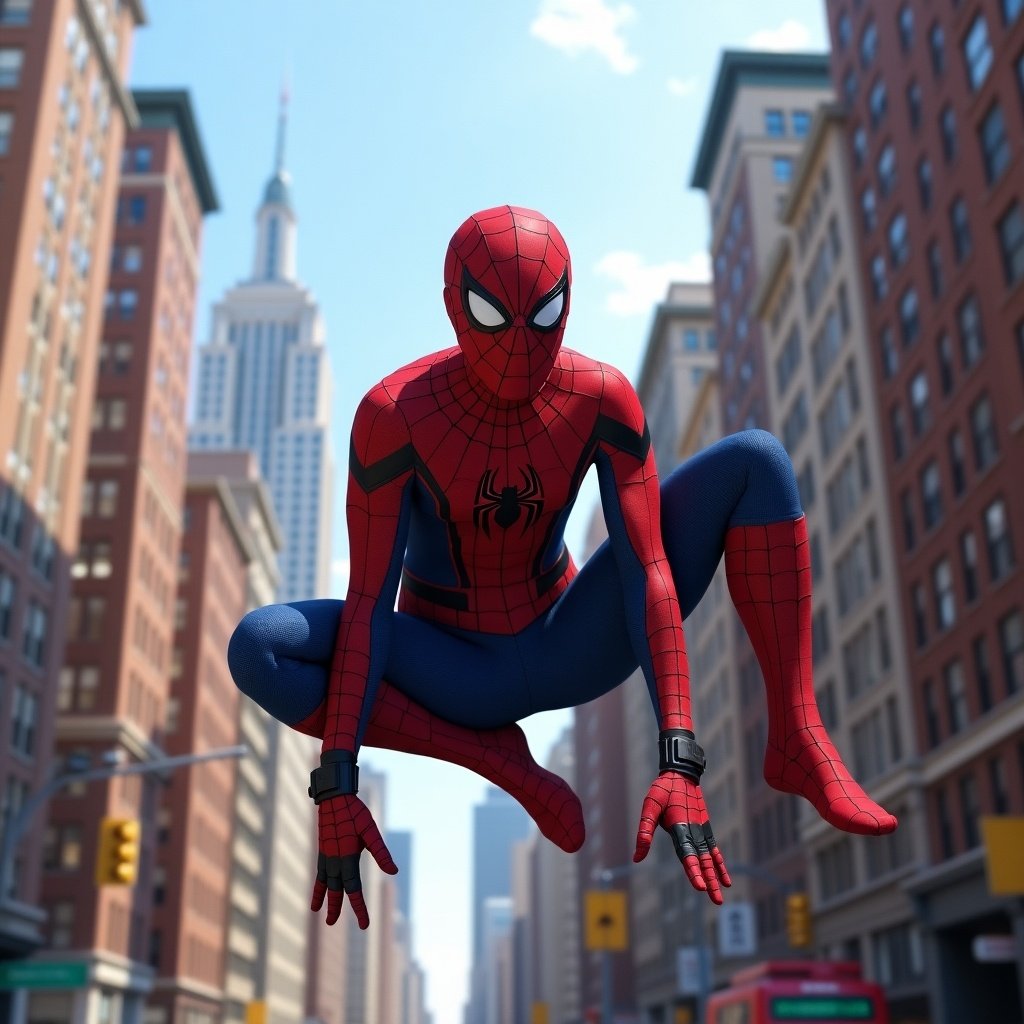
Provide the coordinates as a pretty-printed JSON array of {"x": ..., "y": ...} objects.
[{"x": 750, "y": 67}]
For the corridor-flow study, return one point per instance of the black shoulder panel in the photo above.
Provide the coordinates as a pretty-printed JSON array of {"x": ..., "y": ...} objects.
[
  {"x": 622, "y": 437},
  {"x": 383, "y": 470}
]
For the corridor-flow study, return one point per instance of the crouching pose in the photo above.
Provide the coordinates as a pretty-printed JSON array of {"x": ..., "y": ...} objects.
[{"x": 464, "y": 466}]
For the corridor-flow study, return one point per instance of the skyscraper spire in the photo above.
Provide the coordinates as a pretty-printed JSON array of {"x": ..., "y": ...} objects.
[{"x": 282, "y": 125}]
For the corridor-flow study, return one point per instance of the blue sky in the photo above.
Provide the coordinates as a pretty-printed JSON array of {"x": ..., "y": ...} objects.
[{"x": 405, "y": 118}]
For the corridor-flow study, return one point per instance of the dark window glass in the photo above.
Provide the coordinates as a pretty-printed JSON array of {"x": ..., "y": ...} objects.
[
  {"x": 1011, "y": 244},
  {"x": 995, "y": 147}
]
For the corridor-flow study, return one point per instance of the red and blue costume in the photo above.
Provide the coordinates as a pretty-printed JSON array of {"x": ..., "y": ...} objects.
[{"x": 464, "y": 467}]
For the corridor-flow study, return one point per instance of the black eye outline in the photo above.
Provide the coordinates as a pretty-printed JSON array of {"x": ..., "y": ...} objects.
[
  {"x": 562, "y": 285},
  {"x": 470, "y": 284}
]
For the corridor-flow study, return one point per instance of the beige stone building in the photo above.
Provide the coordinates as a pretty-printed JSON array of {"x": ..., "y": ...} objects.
[{"x": 811, "y": 306}]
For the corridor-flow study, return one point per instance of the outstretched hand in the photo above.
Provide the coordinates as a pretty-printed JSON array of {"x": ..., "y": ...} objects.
[
  {"x": 346, "y": 828},
  {"x": 676, "y": 803}
]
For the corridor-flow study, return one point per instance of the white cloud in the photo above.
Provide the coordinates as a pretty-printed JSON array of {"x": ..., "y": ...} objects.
[
  {"x": 790, "y": 35},
  {"x": 682, "y": 86},
  {"x": 639, "y": 286},
  {"x": 580, "y": 26}
]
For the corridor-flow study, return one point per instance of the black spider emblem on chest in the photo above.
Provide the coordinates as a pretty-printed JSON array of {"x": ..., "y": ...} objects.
[{"x": 505, "y": 505}]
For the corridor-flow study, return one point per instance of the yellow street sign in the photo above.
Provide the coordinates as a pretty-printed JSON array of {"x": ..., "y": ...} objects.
[
  {"x": 1004, "y": 840},
  {"x": 605, "y": 913},
  {"x": 540, "y": 1014},
  {"x": 256, "y": 1011}
]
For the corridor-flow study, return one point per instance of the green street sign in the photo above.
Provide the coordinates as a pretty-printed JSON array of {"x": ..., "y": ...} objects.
[{"x": 42, "y": 974}]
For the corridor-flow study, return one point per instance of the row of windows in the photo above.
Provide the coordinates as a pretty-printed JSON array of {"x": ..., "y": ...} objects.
[
  {"x": 965, "y": 792},
  {"x": 775, "y": 122},
  {"x": 941, "y": 612},
  {"x": 35, "y": 622}
]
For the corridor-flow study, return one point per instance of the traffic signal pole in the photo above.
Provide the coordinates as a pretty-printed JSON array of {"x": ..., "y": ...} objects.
[{"x": 19, "y": 826}]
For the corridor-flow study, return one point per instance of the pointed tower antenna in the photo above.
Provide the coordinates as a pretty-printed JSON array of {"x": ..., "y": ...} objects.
[{"x": 282, "y": 124}]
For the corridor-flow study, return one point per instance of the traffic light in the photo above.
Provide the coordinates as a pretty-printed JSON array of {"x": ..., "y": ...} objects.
[
  {"x": 117, "y": 855},
  {"x": 798, "y": 920}
]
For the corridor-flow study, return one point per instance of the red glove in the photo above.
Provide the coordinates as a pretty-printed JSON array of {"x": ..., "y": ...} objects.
[
  {"x": 675, "y": 802},
  {"x": 346, "y": 829}
]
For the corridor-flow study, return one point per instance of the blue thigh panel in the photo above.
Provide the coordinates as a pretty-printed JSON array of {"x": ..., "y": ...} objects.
[{"x": 280, "y": 655}]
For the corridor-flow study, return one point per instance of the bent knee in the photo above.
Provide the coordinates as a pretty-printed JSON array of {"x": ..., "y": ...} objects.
[
  {"x": 248, "y": 651},
  {"x": 771, "y": 493}
]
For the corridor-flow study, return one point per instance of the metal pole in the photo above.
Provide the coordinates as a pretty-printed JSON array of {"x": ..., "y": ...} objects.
[
  {"x": 607, "y": 1014},
  {"x": 18, "y": 827}
]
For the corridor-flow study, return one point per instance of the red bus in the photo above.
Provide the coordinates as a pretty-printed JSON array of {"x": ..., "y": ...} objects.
[{"x": 803, "y": 991}]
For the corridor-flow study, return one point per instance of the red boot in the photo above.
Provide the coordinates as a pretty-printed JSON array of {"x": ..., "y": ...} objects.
[
  {"x": 501, "y": 756},
  {"x": 768, "y": 569}
]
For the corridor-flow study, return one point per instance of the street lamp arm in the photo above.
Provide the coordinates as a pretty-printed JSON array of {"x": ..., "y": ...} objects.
[{"x": 17, "y": 828}]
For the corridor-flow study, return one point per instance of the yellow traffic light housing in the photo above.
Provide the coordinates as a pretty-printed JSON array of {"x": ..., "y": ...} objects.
[
  {"x": 798, "y": 920},
  {"x": 117, "y": 855}
]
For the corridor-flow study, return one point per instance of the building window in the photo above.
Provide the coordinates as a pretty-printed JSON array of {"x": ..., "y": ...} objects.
[
  {"x": 997, "y": 537},
  {"x": 919, "y": 601},
  {"x": 956, "y": 695},
  {"x": 945, "y": 350},
  {"x": 898, "y": 426},
  {"x": 982, "y": 671},
  {"x": 136, "y": 209},
  {"x": 127, "y": 303},
  {"x": 909, "y": 527},
  {"x": 937, "y": 46},
  {"x": 142, "y": 158},
  {"x": 889, "y": 353},
  {"x": 936, "y": 279},
  {"x": 924, "y": 182},
  {"x": 947, "y": 130},
  {"x": 1011, "y": 244},
  {"x": 24, "y": 716},
  {"x": 782, "y": 169},
  {"x": 1011, "y": 10},
  {"x": 131, "y": 262},
  {"x": 1011, "y": 644},
  {"x": 906, "y": 25},
  {"x": 878, "y": 102},
  {"x": 942, "y": 589},
  {"x": 8, "y": 590},
  {"x": 843, "y": 30},
  {"x": 931, "y": 714},
  {"x": 995, "y": 147},
  {"x": 774, "y": 123},
  {"x": 879, "y": 280},
  {"x": 914, "y": 105},
  {"x": 899, "y": 243},
  {"x": 850, "y": 87},
  {"x": 6, "y": 130},
  {"x": 983, "y": 431},
  {"x": 869, "y": 209},
  {"x": 970, "y": 812},
  {"x": 910, "y": 321},
  {"x": 917, "y": 393},
  {"x": 691, "y": 340},
  {"x": 997, "y": 785},
  {"x": 801, "y": 120},
  {"x": 869, "y": 44},
  {"x": 15, "y": 12},
  {"x": 887, "y": 170},
  {"x": 860, "y": 146},
  {"x": 931, "y": 495},
  {"x": 972, "y": 339},
  {"x": 977, "y": 52},
  {"x": 11, "y": 61},
  {"x": 958, "y": 462},
  {"x": 969, "y": 557},
  {"x": 33, "y": 644}
]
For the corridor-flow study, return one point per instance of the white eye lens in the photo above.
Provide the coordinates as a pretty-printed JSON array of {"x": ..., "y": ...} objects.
[
  {"x": 550, "y": 311},
  {"x": 483, "y": 311}
]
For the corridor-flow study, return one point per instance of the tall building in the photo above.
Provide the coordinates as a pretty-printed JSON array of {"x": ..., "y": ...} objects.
[
  {"x": 679, "y": 360},
  {"x": 754, "y": 132},
  {"x": 936, "y": 135},
  {"x": 497, "y": 824},
  {"x": 264, "y": 384},
  {"x": 114, "y": 686},
  {"x": 248, "y": 923},
  {"x": 812, "y": 309},
  {"x": 64, "y": 109},
  {"x": 191, "y": 884}
]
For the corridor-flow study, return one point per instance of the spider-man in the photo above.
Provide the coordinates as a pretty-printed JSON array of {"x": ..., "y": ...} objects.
[{"x": 464, "y": 466}]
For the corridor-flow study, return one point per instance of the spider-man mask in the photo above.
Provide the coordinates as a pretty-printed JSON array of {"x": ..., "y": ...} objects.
[{"x": 506, "y": 289}]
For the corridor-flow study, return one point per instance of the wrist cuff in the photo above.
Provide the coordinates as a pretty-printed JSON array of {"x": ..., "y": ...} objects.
[
  {"x": 338, "y": 775},
  {"x": 679, "y": 751}
]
